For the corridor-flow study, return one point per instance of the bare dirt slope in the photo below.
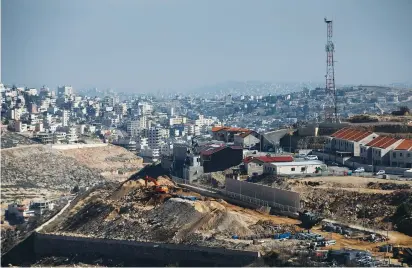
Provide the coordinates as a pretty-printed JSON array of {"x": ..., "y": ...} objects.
[
  {"x": 112, "y": 162},
  {"x": 370, "y": 202},
  {"x": 133, "y": 212},
  {"x": 38, "y": 172}
]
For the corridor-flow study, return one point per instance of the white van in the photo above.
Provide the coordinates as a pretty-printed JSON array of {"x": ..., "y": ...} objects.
[{"x": 330, "y": 242}]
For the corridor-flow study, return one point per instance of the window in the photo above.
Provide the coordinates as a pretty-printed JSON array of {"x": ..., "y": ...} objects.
[
  {"x": 302, "y": 169},
  {"x": 400, "y": 154},
  {"x": 394, "y": 155},
  {"x": 409, "y": 155},
  {"x": 292, "y": 169}
]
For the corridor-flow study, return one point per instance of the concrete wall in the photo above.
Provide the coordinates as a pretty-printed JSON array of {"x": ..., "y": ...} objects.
[
  {"x": 77, "y": 146},
  {"x": 134, "y": 253},
  {"x": 265, "y": 193}
]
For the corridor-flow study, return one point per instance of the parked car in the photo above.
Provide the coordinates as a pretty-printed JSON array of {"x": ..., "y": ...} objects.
[
  {"x": 359, "y": 170},
  {"x": 380, "y": 172},
  {"x": 332, "y": 163},
  {"x": 311, "y": 157}
]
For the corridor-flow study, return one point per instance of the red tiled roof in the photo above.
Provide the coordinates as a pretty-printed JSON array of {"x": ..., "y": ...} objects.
[
  {"x": 216, "y": 129},
  {"x": 248, "y": 159},
  {"x": 237, "y": 129},
  {"x": 382, "y": 142},
  {"x": 339, "y": 132},
  {"x": 405, "y": 145},
  {"x": 375, "y": 140},
  {"x": 350, "y": 134},
  {"x": 269, "y": 159}
]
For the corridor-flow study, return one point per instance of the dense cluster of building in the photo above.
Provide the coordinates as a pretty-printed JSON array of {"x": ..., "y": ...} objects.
[{"x": 168, "y": 128}]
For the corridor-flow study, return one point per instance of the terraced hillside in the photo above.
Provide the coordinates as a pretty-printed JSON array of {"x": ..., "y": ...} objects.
[{"x": 37, "y": 171}]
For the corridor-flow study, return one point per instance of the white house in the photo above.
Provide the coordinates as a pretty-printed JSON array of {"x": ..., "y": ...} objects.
[
  {"x": 255, "y": 165},
  {"x": 247, "y": 139},
  {"x": 293, "y": 168}
]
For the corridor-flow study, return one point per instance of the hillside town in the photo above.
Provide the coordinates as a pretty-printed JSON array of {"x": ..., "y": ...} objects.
[{"x": 206, "y": 134}]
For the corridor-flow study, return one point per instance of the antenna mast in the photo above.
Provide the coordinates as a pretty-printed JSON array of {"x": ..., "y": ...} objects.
[{"x": 331, "y": 108}]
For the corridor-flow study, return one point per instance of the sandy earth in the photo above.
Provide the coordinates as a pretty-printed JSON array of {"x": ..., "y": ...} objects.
[{"x": 112, "y": 161}]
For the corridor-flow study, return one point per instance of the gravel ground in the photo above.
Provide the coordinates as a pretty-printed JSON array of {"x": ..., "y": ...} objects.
[{"x": 13, "y": 139}]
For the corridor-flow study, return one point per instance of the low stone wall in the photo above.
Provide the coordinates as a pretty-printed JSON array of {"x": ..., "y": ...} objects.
[
  {"x": 129, "y": 253},
  {"x": 77, "y": 146}
]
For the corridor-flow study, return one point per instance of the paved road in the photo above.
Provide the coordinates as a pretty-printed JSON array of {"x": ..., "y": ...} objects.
[{"x": 38, "y": 229}]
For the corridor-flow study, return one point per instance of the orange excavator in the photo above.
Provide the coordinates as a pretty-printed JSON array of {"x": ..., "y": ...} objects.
[{"x": 158, "y": 188}]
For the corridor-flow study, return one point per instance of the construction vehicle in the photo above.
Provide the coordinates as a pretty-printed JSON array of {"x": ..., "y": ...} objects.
[{"x": 157, "y": 188}]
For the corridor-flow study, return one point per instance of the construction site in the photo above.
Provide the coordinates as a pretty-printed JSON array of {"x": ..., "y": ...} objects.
[{"x": 151, "y": 207}]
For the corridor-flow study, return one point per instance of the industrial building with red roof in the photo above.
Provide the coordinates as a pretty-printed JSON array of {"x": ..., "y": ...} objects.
[{"x": 347, "y": 141}]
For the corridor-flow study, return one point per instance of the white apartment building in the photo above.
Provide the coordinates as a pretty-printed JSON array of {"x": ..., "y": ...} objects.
[
  {"x": 191, "y": 130},
  {"x": 65, "y": 118},
  {"x": 71, "y": 136},
  {"x": 134, "y": 127},
  {"x": 145, "y": 108},
  {"x": 177, "y": 120},
  {"x": 120, "y": 108},
  {"x": 15, "y": 114},
  {"x": 80, "y": 129},
  {"x": 202, "y": 121},
  {"x": 142, "y": 143},
  {"x": 39, "y": 127},
  {"x": 64, "y": 91},
  {"x": 45, "y": 137},
  {"x": 31, "y": 91},
  {"x": 154, "y": 136},
  {"x": 110, "y": 101},
  {"x": 166, "y": 149},
  {"x": 147, "y": 152}
]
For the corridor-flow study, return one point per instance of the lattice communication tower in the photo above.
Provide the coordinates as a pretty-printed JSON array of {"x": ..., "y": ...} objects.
[{"x": 330, "y": 108}]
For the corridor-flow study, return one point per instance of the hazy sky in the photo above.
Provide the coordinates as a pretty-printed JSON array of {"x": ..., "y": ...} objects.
[{"x": 145, "y": 45}]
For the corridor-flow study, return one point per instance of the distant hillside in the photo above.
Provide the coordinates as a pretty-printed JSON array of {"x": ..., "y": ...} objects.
[{"x": 40, "y": 172}]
